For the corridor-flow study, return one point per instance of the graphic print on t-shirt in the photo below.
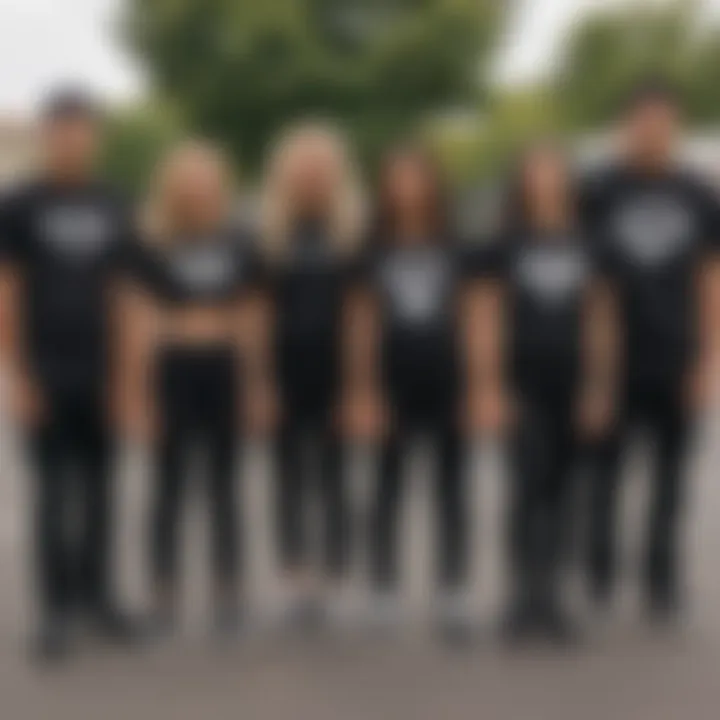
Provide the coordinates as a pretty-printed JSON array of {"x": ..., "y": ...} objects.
[
  {"x": 204, "y": 269},
  {"x": 653, "y": 228},
  {"x": 75, "y": 232},
  {"x": 417, "y": 284},
  {"x": 551, "y": 275}
]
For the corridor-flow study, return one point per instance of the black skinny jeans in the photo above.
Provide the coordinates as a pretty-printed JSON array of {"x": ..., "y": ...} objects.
[
  {"x": 311, "y": 429},
  {"x": 198, "y": 397},
  {"x": 439, "y": 424},
  {"x": 542, "y": 461},
  {"x": 658, "y": 407},
  {"x": 71, "y": 455}
]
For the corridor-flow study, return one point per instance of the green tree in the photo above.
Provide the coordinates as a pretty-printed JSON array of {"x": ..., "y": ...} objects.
[
  {"x": 241, "y": 69},
  {"x": 137, "y": 137},
  {"x": 612, "y": 49}
]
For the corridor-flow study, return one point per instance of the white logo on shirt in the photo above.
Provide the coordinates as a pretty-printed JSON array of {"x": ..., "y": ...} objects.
[
  {"x": 551, "y": 275},
  {"x": 203, "y": 269},
  {"x": 417, "y": 283},
  {"x": 653, "y": 229},
  {"x": 77, "y": 232}
]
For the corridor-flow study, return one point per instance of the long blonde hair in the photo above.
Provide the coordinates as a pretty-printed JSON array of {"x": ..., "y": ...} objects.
[
  {"x": 157, "y": 217},
  {"x": 346, "y": 207}
]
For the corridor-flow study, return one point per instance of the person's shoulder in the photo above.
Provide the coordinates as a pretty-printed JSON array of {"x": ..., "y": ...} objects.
[
  {"x": 23, "y": 194},
  {"x": 600, "y": 179},
  {"x": 696, "y": 183}
]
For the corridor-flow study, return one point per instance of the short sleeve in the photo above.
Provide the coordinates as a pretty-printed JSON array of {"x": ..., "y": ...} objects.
[
  {"x": 253, "y": 264},
  {"x": 357, "y": 268},
  {"x": 709, "y": 210},
  {"x": 13, "y": 230},
  {"x": 489, "y": 259}
]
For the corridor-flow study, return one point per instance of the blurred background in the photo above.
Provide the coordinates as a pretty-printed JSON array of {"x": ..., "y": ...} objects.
[{"x": 476, "y": 76}]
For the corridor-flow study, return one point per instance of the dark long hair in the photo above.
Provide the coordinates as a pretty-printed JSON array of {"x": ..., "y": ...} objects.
[
  {"x": 385, "y": 223},
  {"x": 517, "y": 212}
]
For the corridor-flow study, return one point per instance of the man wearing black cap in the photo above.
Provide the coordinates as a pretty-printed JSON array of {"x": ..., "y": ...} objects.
[
  {"x": 657, "y": 227},
  {"x": 60, "y": 237}
]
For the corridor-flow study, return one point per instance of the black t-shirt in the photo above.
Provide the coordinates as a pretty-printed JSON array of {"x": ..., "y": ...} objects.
[
  {"x": 212, "y": 270},
  {"x": 417, "y": 286},
  {"x": 309, "y": 286},
  {"x": 67, "y": 243},
  {"x": 548, "y": 276},
  {"x": 652, "y": 232}
]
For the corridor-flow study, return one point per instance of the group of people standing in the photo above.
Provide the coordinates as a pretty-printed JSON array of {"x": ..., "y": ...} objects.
[{"x": 334, "y": 320}]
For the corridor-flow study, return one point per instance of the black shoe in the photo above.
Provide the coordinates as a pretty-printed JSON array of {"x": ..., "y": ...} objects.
[
  {"x": 53, "y": 643},
  {"x": 558, "y": 627},
  {"x": 228, "y": 623},
  {"x": 162, "y": 625},
  {"x": 601, "y": 592},
  {"x": 663, "y": 606},
  {"x": 307, "y": 616},
  {"x": 519, "y": 624},
  {"x": 116, "y": 627}
]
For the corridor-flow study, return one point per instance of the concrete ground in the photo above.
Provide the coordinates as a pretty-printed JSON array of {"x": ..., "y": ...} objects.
[{"x": 625, "y": 669}]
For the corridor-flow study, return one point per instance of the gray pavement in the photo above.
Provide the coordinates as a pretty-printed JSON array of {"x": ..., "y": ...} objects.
[{"x": 625, "y": 670}]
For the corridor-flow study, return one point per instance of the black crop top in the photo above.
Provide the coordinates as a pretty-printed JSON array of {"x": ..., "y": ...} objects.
[{"x": 197, "y": 271}]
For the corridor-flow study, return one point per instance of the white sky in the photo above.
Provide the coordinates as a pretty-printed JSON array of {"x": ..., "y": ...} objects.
[{"x": 46, "y": 41}]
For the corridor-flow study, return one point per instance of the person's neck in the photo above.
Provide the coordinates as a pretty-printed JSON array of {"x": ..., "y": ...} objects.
[
  {"x": 413, "y": 228},
  {"x": 650, "y": 164},
  {"x": 552, "y": 220},
  {"x": 68, "y": 177}
]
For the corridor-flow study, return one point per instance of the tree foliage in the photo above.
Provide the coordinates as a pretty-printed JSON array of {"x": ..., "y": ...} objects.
[
  {"x": 612, "y": 49},
  {"x": 241, "y": 69},
  {"x": 137, "y": 137}
]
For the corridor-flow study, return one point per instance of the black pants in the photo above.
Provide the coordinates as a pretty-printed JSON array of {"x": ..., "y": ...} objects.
[
  {"x": 71, "y": 458},
  {"x": 198, "y": 397},
  {"x": 306, "y": 430},
  {"x": 543, "y": 454},
  {"x": 657, "y": 407},
  {"x": 449, "y": 502}
]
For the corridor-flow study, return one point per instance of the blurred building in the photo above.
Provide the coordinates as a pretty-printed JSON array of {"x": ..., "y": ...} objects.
[{"x": 17, "y": 149}]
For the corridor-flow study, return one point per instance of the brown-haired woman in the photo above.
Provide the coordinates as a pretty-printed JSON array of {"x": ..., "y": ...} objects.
[
  {"x": 547, "y": 338},
  {"x": 406, "y": 377}
]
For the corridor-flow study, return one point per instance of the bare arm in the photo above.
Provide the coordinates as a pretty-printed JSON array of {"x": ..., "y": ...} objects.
[
  {"x": 600, "y": 358},
  {"x": 11, "y": 337},
  {"x": 364, "y": 411},
  {"x": 601, "y": 339},
  {"x": 27, "y": 403},
  {"x": 709, "y": 329},
  {"x": 136, "y": 326},
  {"x": 361, "y": 344},
  {"x": 256, "y": 323},
  {"x": 483, "y": 323}
]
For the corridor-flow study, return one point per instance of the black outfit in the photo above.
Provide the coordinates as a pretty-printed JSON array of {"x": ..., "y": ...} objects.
[
  {"x": 653, "y": 231},
  {"x": 310, "y": 285},
  {"x": 66, "y": 241},
  {"x": 417, "y": 289},
  {"x": 196, "y": 390},
  {"x": 548, "y": 276}
]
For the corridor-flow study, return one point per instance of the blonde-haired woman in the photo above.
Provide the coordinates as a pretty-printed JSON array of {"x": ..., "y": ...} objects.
[
  {"x": 312, "y": 216},
  {"x": 190, "y": 309}
]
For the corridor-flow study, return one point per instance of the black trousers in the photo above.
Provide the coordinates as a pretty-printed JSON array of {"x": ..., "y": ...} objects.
[
  {"x": 198, "y": 396},
  {"x": 71, "y": 455},
  {"x": 657, "y": 407},
  {"x": 449, "y": 501},
  {"x": 306, "y": 429},
  {"x": 542, "y": 462}
]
